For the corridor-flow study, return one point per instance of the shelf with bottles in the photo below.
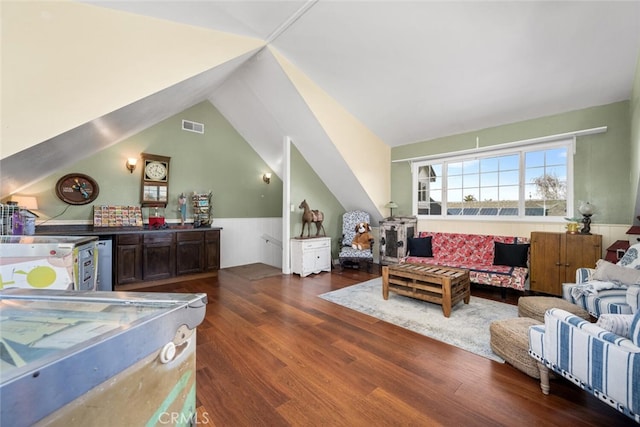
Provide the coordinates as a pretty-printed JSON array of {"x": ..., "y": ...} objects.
[{"x": 202, "y": 209}]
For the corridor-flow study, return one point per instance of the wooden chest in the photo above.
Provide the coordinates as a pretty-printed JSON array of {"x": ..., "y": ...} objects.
[{"x": 393, "y": 238}]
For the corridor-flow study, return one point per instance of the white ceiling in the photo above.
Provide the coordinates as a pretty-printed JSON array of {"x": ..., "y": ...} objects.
[
  {"x": 409, "y": 71},
  {"x": 414, "y": 71}
]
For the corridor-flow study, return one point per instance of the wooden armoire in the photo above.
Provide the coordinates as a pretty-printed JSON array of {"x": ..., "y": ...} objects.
[{"x": 556, "y": 256}]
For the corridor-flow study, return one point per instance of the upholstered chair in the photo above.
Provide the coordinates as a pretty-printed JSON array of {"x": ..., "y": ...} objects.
[
  {"x": 349, "y": 255},
  {"x": 608, "y": 288},
  {"x": 602, "y": 359}
]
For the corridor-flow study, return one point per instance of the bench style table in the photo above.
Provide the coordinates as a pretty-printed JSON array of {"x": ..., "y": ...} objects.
[{"x": 445, "y": 286}]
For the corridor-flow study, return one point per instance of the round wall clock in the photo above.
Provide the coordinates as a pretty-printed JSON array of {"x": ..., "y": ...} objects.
[
  {"x": 77, "y": 189},
  {"x": 155, "y": 170}
]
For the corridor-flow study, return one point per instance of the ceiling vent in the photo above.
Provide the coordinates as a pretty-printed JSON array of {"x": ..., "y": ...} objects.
[{"x": 192, "y": 126}]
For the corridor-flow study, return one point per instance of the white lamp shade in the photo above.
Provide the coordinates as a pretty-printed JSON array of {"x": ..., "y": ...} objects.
[
  {"x": 27, "y": 202},
  {"x": 586, "y": 208}
]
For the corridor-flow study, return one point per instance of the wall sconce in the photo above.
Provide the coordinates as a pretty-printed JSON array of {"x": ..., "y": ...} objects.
[
  {"x": 131, "y": 164},
  {"x": 267, "y": 177}
]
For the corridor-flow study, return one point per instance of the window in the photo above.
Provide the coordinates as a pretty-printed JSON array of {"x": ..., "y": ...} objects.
[{"x": 525, "y": 181}]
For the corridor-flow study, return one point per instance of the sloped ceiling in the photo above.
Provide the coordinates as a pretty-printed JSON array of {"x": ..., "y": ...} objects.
[
  {"x": 408, "y": 71},
  {"x": 417, "y": 70}
]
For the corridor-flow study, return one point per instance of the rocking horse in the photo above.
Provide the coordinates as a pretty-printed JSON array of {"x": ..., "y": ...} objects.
[{"x": 309, "y": 216}]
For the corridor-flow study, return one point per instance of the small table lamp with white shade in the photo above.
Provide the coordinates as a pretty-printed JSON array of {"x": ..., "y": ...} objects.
[{"x": 586, "y": 209}]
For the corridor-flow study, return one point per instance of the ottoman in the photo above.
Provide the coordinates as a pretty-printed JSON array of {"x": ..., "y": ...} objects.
[
  {"x": 510, "y": 340},
  {"x": 535, "y": 307}
]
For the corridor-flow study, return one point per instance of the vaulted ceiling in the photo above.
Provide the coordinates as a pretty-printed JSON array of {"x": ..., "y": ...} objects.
[
  {"x": 404, "y": 71},
  {"x": 416, "y": 70}
]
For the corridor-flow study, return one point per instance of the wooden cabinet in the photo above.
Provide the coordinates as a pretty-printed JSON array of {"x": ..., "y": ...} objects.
[
  {"x": 393, "y": 238},
  {"x": 556, "y": 256},
  {"x": 128, "y": 254},
  {"x": 212, "y": 250},
  {"x": 157, "y": 255},
  {"x": 189, "y": 253},
  {"x": 310, "y": 255}
]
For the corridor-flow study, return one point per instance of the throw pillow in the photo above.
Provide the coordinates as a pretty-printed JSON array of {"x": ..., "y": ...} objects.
[
  {"x": 511, "y": 254},
  {"x": 420, "y": 246},
  {"x": 608, "y": 272},
  {"x": 619, "y": 324},
  {"x": 630, "y": 259}
]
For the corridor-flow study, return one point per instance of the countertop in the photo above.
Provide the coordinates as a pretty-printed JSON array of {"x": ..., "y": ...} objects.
[{"x": 89, "y": 230}]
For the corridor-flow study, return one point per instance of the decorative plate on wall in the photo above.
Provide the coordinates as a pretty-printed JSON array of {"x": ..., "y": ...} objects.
[{"x": 77, "y": 189}]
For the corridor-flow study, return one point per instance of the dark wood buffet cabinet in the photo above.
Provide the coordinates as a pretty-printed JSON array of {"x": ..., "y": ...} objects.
[
  {"x": 165, "y": 254},
  {"x": 143, "y": 255}
]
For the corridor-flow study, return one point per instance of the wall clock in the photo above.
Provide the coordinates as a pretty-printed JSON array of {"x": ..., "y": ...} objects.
[
  {"x": 155, "y": 180},
  {"x": 77, "y": 189}
]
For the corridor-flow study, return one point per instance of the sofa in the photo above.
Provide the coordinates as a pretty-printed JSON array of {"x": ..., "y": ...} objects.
[
  {"x": 501, "y": 261},
  {"x": 603, "y": 358}
]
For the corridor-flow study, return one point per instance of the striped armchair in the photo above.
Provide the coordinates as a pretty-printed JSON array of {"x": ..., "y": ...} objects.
[
  {"x": 595, "y": 359},
  {"x": 609, "y": 288},
  {"x": 609, "y": 299}
]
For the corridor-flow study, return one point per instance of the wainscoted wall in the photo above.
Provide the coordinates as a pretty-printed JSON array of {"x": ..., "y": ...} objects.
[
  {"x": 610, "y": 232},
  {"x": 250, "y": 240}
]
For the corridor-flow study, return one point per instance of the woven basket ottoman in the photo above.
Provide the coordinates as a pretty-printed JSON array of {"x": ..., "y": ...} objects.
[
  {"x": 535, "y": 307},
  {"x": 510, "y": 340}
]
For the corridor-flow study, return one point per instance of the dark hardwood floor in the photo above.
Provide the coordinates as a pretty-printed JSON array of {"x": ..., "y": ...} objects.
[{"x": 271, "y": 353}]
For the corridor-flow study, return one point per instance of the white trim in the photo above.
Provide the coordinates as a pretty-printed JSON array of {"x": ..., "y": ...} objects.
[
  {"x": 496, "y": 147},
  {"x": 568, "y": 141},
  {"x": 286, "y": 202}
]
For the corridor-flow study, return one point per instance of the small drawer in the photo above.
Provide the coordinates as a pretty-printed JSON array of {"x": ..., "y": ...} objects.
[
  {"x": 212, "y": 235},
  {"x": 316, "y": 245},
  {"x": 190, "y": 236},
  {"x": 128, "y": 239},
  {"x": 158, "y": 237}
]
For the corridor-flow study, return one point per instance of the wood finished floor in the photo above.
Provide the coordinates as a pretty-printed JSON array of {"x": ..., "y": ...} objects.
[{"x": 271, "y": 353}]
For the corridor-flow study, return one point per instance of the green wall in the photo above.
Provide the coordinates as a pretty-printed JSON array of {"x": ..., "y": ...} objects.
[
  {"x": 601, "y": 163},
  {"x": 307, "y": 185},
  {"x": 219, "y": 160}
]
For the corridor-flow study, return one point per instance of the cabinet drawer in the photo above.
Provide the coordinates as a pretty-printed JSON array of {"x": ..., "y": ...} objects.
[
  {"x": 128, "y": 239},
  {"x": 212, "y": 235},
  {"x": 316, "y": 245},
  {"x": 190, "y": 236},
  {"x": 158, "y": 237}
]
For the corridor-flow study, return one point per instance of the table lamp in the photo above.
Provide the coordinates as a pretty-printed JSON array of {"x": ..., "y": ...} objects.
[
  {"x": 391, "y": 206},
  {"x": 586, "y": 209}
]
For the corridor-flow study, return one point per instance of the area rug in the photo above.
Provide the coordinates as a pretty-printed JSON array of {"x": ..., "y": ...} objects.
[
  {"x": 466, "y": 328},
  {"x": 254, "y": 271}
]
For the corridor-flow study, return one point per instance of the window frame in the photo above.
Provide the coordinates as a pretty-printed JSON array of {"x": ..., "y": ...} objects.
[{"x": 489, "y": 152}]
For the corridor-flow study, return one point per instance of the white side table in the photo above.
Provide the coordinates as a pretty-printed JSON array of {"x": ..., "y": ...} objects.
[{"x": 310, "y": 255}]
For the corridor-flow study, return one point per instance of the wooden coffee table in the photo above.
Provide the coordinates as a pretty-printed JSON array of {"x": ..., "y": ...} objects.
[{"x": 445, "y": 286}]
